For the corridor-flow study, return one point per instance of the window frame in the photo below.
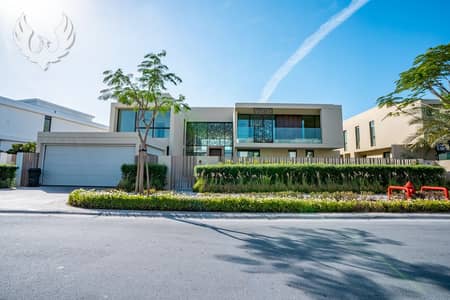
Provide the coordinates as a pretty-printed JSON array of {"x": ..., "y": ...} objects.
[
  {"x": 357, "y": 137},
  {"x": 49, "y": 119},
  {"x": 309, "y": 151},
  {"x": 292, "y": 151},
  {"x": 372, "y": 133},
  {"x": 224, "y": 140},
  {"x": 153, "y": 128},
  {"x": 345, "y": 135}
]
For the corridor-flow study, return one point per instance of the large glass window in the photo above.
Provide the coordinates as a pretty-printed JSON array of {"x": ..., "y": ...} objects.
[
  {"x": 126, "y": 120},
  {"x": 372, "y": 133},
  {"x": 255, "y": 128},
  {"x": 127, "y": 123},
  {"x": 263, "y": 128},
  {"x": 357, "y": 137},
  {"x": 311, "y": 121},
  {"x": 201, "y": 136},
  {"x": 245, "y": 128}
]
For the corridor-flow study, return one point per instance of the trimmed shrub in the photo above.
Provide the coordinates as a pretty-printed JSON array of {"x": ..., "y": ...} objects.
[
  {"x": 241, "y": 178},
  {"x": 7, "y": 175},
  {"x": 28, "y": 147},
  {"x": 157, "y": 176},
  {"x": 247, "y": 203}
]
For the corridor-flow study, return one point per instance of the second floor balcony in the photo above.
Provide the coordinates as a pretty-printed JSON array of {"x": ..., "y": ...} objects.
[{"x": 274, "y": 129}]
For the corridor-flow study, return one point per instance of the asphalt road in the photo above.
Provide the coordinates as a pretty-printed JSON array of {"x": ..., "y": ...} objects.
[{"x": 91, "y": 257}]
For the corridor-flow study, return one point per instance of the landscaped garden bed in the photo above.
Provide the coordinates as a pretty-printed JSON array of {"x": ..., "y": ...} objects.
[{"x": 267, "y": 203}]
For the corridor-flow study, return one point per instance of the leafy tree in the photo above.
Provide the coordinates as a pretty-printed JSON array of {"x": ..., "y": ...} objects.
[
  {"x": 144, "y": 92},
  {"x": 434, "y": 128},
  {"x": 430, "y": 74}
]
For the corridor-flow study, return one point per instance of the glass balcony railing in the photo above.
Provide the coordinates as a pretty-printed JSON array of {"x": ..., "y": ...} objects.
[
  {"x": 298, "y": 135},
  {"x": 280, "y": 135}
]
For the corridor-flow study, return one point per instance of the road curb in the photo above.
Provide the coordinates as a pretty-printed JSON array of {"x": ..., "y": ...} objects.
[{"x": 238, "y": 216}]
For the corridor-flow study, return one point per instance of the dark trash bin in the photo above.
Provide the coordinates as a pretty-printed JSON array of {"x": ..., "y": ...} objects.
[{"x": 33, "y": 176}]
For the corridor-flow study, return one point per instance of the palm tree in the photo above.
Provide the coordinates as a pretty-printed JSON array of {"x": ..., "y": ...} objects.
[{"x": 433, "y": 126}]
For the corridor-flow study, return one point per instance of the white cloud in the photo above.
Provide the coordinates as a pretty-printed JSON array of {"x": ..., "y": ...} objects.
[{"x": 308, "y": 44}]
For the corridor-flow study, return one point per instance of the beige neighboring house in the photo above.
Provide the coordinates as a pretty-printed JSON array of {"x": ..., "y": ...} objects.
[
  {"x": 206, "y": 133},
  {"x": 371, "y": 134}
]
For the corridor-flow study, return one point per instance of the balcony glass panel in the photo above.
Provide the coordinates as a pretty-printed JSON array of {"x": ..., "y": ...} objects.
[
  {"x": 245, "y": 134},
  {"x": 298, "y": 135}
]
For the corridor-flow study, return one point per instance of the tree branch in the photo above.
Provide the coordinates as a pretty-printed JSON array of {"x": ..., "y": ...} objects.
[{"x": 434, "y": 92}]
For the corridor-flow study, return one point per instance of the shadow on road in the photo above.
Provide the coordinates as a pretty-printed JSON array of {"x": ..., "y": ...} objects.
[{"x": 336, "y": 263}]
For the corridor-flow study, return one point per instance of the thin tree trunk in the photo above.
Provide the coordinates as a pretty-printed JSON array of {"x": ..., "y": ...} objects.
[
  {"x": 136, "y": 185},
  {"x": 141, "y": 170}
]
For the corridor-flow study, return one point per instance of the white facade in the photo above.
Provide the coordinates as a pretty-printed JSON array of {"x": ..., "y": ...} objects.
[{"x": 21, "y": 120}]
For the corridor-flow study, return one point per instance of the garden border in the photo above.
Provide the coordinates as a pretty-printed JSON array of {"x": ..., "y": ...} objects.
[{"x": 248, "y": 204}]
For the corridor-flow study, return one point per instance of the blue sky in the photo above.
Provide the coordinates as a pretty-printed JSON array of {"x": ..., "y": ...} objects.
[{"x": 225, "y": 51}]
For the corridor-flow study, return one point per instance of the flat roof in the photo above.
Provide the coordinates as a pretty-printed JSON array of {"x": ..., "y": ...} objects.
[
  {"x": 283, "y": 105},
  {"x": 47, "y": 108},
  {"x": 376, "y": 107}
]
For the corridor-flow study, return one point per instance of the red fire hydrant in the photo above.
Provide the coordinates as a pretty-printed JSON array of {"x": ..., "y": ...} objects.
[{"x": 410, "y": 190}]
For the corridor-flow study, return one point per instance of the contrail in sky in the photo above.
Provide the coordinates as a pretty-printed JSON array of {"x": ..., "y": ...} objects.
[{"x": 309, "y": 44}]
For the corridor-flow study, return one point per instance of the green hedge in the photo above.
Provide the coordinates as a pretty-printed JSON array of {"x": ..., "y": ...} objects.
[
  {"x": 7, "y": 175},
  {"x": 312, "y": 177},
  {"x": 173, "y": 202},
  {"x": 157, "y": 176}
]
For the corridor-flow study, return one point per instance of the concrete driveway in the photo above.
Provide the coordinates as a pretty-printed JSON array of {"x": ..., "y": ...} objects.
[{"x": 36, "y": 199}]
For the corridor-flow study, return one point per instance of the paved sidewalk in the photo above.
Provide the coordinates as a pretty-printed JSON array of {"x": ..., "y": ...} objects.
[{"x": 53, "y": 200}]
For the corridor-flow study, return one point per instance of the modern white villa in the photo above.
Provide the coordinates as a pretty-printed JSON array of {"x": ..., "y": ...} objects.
[
  {"x": 21, "y": 120},
  {"x": 207, "y": 133}
]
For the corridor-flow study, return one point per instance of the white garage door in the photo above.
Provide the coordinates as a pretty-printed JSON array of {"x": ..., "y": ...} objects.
[{"x": 85, "y": 165}]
